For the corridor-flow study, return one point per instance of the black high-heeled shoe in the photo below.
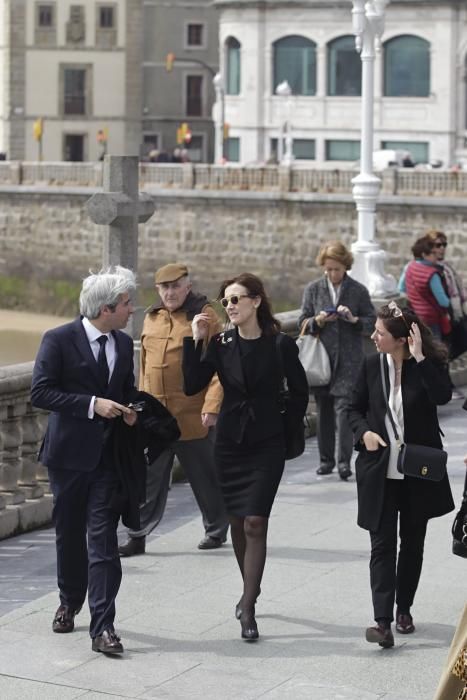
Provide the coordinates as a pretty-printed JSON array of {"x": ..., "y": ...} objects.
[
  {"x": 238, "y": 607},
  {"x": 249, "y": 627}
]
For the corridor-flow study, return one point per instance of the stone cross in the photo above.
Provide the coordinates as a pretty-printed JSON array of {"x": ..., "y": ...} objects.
[{"x": 120, "y": 208}]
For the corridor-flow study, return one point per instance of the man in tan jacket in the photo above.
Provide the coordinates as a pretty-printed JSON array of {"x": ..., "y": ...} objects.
[{"x": 165, "y": 326}]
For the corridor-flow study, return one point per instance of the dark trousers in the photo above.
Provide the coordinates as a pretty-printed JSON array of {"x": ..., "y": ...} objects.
[
  {"x": 197, "y": 460},
  {"x": 86, "y": 540},
  {"x": 396, "y": 577},
  {"x": 332, "y": 415}
]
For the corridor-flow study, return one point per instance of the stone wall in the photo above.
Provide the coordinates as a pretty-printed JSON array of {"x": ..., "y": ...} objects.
[{"x": 45, "y": 234}]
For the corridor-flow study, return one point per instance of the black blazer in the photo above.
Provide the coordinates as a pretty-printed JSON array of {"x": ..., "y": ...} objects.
[
  {"x": 65, "y": 377},
  {"x": 250, "y": 409},
  {"x": 425, "y": 385}
]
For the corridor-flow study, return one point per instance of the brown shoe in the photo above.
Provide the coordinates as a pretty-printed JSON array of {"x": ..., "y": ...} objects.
[
  {"x": 380, "y": 635},
  {"x": 107, "y": 643},
  {"x": 404, "y": 623},
  {"x": 64, "y": 619},
  {"x": 134, "y": 545}
]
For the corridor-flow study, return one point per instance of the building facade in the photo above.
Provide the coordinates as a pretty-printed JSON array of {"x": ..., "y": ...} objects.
[
  {"x": 420, "y": 79},
  {"x": 181, "y": 57},
  {"x": 71, "y": 86}
]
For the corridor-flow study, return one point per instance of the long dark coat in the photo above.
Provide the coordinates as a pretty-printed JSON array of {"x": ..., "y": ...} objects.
[
  {"x": 425, "y": 385},
  {"x": 342, "y": 340}
]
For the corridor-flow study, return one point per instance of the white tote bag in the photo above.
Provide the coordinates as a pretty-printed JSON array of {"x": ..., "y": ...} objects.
[{"x": 314, "y": 358}]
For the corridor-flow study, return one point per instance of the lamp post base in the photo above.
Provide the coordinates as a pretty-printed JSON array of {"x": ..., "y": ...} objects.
[{"x": 368, "y": 268}]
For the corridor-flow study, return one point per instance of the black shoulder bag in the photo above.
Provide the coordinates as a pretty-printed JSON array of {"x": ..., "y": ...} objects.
[
  {"x": 294, "y": 430},
  {"x": 459, "y": 527},
  {"x": 420, "y": 461}
]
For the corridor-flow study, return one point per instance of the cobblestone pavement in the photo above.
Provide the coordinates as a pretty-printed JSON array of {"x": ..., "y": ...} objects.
[{"x": 175, "y": 607}]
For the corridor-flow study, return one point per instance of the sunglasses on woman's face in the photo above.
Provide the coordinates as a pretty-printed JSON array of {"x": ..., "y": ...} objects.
[
  {"x": 233, "y": 299},
  {"x": 441, "y": 244}
]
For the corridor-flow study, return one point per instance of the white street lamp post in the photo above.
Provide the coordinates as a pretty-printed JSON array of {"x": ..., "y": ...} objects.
[
  {"x": 286, "y": 158},
  {"x": 218, "y": 83},
  {"x": 369, "y": 258}
]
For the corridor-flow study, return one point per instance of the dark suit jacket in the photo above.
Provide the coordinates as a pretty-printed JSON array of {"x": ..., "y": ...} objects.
[
  {"x": 251, "y": 409},
  {"x": 424, "y": 386},
  {"x": 65, "y": 378}
]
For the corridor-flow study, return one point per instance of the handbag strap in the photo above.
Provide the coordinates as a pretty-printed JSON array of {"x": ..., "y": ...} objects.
[
  {"x": 385, "y": 393},
  {"x": 304, "y": 326}
]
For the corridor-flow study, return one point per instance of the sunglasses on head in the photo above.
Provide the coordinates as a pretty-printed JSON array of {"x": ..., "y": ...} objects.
[
  {"x": 397, "y": 312},
  {"x": 441, "y": 245},
  {"x": 233, "y": 299}
]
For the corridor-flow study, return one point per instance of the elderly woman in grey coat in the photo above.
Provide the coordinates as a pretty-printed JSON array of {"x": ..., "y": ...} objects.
[{"x": 338, "y": 309}]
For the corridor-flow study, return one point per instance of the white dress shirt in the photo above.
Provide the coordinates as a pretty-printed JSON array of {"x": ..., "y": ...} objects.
[{"x": 397, "y": 409}]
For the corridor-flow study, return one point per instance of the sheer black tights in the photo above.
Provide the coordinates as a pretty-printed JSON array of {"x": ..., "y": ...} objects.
[{"x": 249, "y": 542}]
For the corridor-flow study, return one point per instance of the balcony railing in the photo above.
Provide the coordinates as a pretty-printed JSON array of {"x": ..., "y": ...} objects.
[{"x": 267, "y": 178}]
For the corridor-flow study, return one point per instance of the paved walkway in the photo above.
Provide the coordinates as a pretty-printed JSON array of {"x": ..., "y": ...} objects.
[{"x": 175, "y": 608}]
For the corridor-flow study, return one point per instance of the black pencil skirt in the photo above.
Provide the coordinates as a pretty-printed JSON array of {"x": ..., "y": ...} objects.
[{"x": 250, "y": 474}]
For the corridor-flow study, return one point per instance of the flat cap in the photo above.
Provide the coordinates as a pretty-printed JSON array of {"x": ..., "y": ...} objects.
[{"x": 170, "y": 273}]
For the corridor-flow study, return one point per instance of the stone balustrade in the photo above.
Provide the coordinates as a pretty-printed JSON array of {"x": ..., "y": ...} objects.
[
  {"x": 255, "y": 178},
  {"x": 25, "y": 500}
]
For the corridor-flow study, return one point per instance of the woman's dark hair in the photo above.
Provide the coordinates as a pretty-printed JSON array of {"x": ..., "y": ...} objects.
[
  {"x": 423, "y": 245},
  {"x": 268, "y": 324},
  {"x": 399, "y": 326}
]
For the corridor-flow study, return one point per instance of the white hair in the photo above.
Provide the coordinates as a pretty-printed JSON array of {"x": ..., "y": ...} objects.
[{"x": 105, "y": 288}]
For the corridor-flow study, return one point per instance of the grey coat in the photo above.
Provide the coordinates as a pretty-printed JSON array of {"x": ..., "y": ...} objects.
[{"x": 342, "y": 340}]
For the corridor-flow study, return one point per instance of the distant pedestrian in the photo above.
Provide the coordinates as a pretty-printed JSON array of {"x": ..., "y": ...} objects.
[
  {"x": 166, "y": 324},
  {"x": 83, "y": 374},
  {"x": 415, "y": 367},
  {"x": 250, "y": 447},
  {"x": 422, "y": 281},
  {"x": 339, "y": 310},
  {"x": 454, "y": 284}
]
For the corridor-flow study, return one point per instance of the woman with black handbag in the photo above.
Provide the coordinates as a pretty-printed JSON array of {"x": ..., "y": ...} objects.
[
  {"x": 415, "y": 374},
  {"x": 250, "y": 447}
]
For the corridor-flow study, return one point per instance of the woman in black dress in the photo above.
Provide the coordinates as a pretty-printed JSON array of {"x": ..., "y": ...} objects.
[{"x": 250, "y": 448}]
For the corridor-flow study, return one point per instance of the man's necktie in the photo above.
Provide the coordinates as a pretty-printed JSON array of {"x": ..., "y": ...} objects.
[{"x": 102, "y": 365}]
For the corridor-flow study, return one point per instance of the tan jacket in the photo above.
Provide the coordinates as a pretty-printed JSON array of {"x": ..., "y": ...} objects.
[{"x": 161, "y": 365}]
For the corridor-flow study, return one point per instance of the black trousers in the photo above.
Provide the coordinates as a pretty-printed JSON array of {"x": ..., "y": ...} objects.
[
  {"x": 86, "y": 541},
  {"x": 395, "y": 576}
]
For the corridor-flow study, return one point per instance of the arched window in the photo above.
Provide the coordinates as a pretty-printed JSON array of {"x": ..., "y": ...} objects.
[
  {"x": 407, "y": 67},
  {"x": 344, "y": 67},
  {"x": 232, "y": 62},
  {"x": 295, "y": 61}
]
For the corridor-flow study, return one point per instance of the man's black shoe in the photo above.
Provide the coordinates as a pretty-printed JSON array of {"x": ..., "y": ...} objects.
[
  {"x": 107, "y": 643},
  {"x": 134, "y": 545},
  {"x": 210, "y": 543},
  {"x": 321, "y": 471},
  {"x": 64, "y": 619},
  {"x": 345, "y": 473}
]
